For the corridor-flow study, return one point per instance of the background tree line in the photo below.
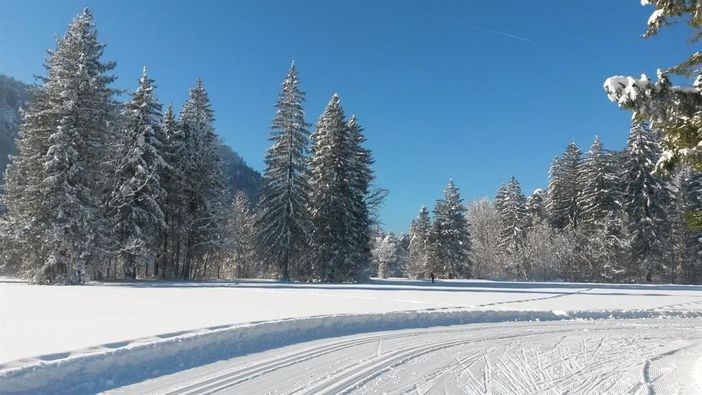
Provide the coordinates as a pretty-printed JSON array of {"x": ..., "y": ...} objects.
[{"x": 605, "y": 216}]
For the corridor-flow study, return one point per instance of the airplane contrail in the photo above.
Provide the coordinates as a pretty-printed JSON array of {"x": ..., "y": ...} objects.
[{"x": 476, "y": 27}]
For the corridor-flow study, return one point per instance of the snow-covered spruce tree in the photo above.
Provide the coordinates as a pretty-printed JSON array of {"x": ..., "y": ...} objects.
[
  {"x": 240, "y": 245},
  {"x": 204, "y": 187},
  {"x": 645, "y": 197},
  {"x": 332, "y": 197},
  {"x": 25, "y": 222},
  {"x": 686, "y": 246},
  {"x": 692, "y": 271},
  {"x": 135, "y": 201},
  {"x": 484, "y": 222},
  {"x": 601, "y": 222},
  {"x": 678, "y": 224},
  {"x": 56, "y": 185},
  {"x": 420, "y": 232},
  {"x": 514, "y": 220},
  {"x": 361, "y": 177},
  {"x": 674, "y": 110},
  {"x": 536, "y": 207},
  {"x": 174, "y": 203},
  {"x": 284, "y": 227},
  {"x": 403, "y": 242},
  {"x": 339, "y": 177},
  {"x": 450, "y": 238},
  {"x": 554, "y": 212},
  {"x": 501, "y": 198},
  {"x": 513, "y": 216},
  {"x": 599, "y": 192},
  {"x": 562, "y": 206}
]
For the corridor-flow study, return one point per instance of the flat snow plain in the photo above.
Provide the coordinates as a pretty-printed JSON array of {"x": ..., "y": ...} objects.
[{"x": 56, "y": 329}]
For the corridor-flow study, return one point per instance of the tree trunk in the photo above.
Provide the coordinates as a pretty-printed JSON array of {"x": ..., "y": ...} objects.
[
  {"x": 176, "y": 260},
  {"x": 286, "y": 263}
]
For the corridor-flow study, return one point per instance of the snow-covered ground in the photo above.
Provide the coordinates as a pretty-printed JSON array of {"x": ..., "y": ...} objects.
[
  {"x": 38, "y": 320},
  {"x": 109, "y": 333},
  {"x": 609, "y": 356}
]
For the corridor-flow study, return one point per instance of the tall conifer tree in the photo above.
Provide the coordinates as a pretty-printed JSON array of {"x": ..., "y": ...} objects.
[
  {"x": 511, "y": 205},
  {"x": 645, "y": 198},
  {"x": 56, "y": 185},
  {"x": 599, "y": 193},
  {"x": 692, "y": 269},
  {"x": 562, "y": 205},
  {"x": 361, "y": 176},
  {"x": 419, "y": 245},
  {"x": 174, "y": 203},
  {"x": 536, "y": 207},
  {"x": 137, "y": 196},
  {"x": 450, "y": 237},
  {"x": 332, "y": 199},
  {"x": 204, "y": 181},
  {"x": 284, "y": 222}
]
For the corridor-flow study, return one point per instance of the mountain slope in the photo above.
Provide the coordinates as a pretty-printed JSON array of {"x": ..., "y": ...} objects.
[
  {"x": 237, "y": 174},
  {"x": 13, "y": 95}
]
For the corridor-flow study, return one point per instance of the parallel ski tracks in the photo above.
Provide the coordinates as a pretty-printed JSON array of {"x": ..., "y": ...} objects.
[
  {"x": 233, "y": 377},
  {"x": 353, "y": 377}
]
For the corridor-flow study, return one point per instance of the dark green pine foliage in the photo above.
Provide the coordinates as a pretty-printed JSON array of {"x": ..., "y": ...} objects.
[
  {"x": 202, "y": 172},
  {"x": 56, "y": 184},
  {"x": 450, "y": 237},
  {"x": 599, "y": 200},
  {"x": 678, "y": 225},
  {"x": 500, "y": 197},
  {"x": 693, "y": 238},
  {"x": 284, "y": 226},
  {"x": 562, "y": 205},
  {"x": 419, "y": 239},
  {"x": 599, "y": 194},
  {"x": 136, "y": 199},
  {"x": 686, "y": 196},
  {"x": 645, "y": 197},
  {"x": 174, "y": 204},
  {"x": 26, "y": 221},
  {"x": 361, "y": 176},
  {"x": 536, "y": 208},
  {"x": 332, "y": 198},
  {"x": 514, "y": 219}
]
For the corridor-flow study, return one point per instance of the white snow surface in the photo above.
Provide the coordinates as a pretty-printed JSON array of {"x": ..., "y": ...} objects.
[
  {"x": 101, "y": 336},
  {"x": 623, "y": 89},
  {"x": 581, "y": 357}
]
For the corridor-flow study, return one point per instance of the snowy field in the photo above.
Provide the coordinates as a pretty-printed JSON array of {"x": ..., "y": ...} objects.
[{"x": 174, "y": 326}]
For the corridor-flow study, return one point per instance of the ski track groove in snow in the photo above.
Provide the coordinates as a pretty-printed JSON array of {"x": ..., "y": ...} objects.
[
  {"x": 536, "y": 299},
  {"x": 439, "y": 377},
  {"x": 571, "y": 362},
  {"x": 349, "y": 379},
  {"x": 237, "y": 376},
  {"x": 582, "y": 372}
]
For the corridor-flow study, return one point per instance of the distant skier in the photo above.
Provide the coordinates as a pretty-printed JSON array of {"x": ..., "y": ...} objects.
[{"x": 432, "y": 277}]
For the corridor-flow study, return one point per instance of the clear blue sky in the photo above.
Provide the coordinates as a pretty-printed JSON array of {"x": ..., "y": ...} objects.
[{"x": 476, "y": 91}]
